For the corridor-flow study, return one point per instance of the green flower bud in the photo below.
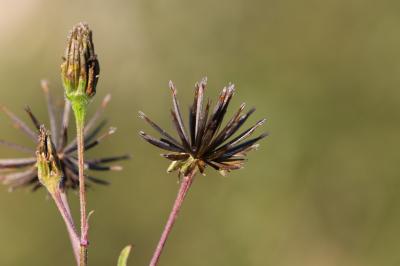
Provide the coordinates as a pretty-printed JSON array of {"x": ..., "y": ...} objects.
[
  {"x": 80, "y": 68},
  {"x": 48, "y": 164}
]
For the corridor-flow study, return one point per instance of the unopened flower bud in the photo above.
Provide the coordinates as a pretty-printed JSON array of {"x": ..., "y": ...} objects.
[
  {"x": 48, "y": 164},
  {"x": 80, "y": 68}
]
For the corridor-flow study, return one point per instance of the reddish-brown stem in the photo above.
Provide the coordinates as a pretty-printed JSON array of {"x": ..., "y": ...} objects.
[
  {"x": 63, "y": 207},
  {"x": 186, "y": 182}
]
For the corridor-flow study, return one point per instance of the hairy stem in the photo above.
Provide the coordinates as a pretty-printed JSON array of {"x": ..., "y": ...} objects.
[
  {"x": 80, "y": 114},
  {"x": 186, "y": 182},
  {"x": 63, "y": 207}
]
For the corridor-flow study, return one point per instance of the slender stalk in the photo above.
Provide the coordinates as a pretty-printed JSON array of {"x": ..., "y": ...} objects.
[
  {"x": 79, "y": 73},
  {"x": 80, "y": 114},
  {"x": 184, "y": 188},
  {"x": 63, "y": 207}
]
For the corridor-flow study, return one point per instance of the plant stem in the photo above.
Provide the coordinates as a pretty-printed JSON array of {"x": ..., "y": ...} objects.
[
  {"x": 184, "y": 188},
  {"x": 80, "y": 114},
  {"x": 63, "y": 207}
]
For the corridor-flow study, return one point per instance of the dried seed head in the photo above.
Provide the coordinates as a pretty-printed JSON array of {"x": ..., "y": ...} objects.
[
  {"x": 80, "y": 68},
  {"x": 48, "y": 163},
  {"x": 206, "y": 142},
  {"x": 21, "y": 172}
]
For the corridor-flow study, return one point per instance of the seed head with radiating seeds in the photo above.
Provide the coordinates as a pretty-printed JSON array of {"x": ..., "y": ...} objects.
[
  {"x": 207, "y": 143},
  {"x": 17, "y": 172}
]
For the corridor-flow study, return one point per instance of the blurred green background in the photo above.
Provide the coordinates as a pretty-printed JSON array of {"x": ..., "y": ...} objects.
[{"x": 323, "y": 188}]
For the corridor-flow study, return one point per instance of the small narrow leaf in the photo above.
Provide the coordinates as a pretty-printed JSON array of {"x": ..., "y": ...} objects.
[{"x": 123, "y": 257}]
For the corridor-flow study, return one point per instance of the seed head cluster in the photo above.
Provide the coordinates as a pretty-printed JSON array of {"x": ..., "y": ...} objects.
[{"x": 208, "y": 142}]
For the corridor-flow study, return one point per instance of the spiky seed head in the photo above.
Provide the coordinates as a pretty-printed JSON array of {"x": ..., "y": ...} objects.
[
  {"x": 80, "y": 68},
  {"x": 206, "y": 142},
  {"x": 48, "y": 164},
  {"x": 20, "y": 172}
]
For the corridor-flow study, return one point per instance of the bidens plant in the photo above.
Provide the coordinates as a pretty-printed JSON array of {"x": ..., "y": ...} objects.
[
  {"x": 206, "y": 144},
  {"x": 59, "y": 164}
]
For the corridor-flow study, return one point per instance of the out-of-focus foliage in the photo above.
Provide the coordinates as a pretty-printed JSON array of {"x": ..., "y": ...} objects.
[
  {"x": 322, "y": 190},
  {"x": 123, "y": 257}
]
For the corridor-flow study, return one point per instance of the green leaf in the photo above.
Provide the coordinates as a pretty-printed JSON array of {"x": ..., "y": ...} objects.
[{"x": 123, "y": 257}]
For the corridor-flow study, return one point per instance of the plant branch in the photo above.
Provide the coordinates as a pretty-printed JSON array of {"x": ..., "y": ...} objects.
[
  {"x": 63, "y": 207},
  {"x": 186, "y": 182}
]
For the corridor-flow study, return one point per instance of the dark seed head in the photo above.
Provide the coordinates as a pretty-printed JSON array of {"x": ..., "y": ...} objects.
[
  {"x": 208, "y": 143},
  {"x": 55, "y": 153}
]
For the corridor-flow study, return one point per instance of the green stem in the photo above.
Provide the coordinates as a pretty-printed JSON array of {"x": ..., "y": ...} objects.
[{"x": 79, "y": 109}]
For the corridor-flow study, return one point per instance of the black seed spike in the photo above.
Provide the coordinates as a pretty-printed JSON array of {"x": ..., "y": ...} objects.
[
  {"x": 100, "y": 110},
  {"x": 158, "y": 143},
  {"x": 96, "y": 167},
  {"x": 11, "y": 172},
  {"x": 202, "y": 124},
  {"x": 19, "y": 124},
  {"x": 199, "y": 105},
  {"x": 176, "y": 156},
  {"x": 236, "y": 149},
  {"x": 35, "y": 121},
  {"x": 157, "y": 128},
  {"x": 17, "y": 162},
  {"x": 177, "y": 114},
  {"x": 98, "y": 180},
  {"x": 91, "y": 135},
  {"x": 180, "y": 130},
  {"x": 207, "y": 142},
  {"x": 235, "y": 127},
  {"x": 229, "y": 126},
  {"x": 51, "y": 111},
  {"x": 239, "y": 138},
  {"x": 64, "y": 125},
  {"x": 109, "y": 159},
  {"x": 17, "y": 146}
]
